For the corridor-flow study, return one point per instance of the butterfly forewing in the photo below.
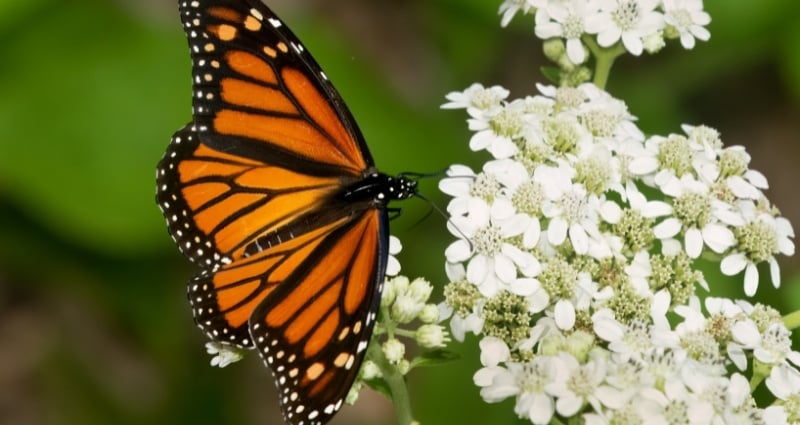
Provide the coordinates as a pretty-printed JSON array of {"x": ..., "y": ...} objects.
[
  {"x": 254, "y": 84},
  {"x": 217, "y": 203}
]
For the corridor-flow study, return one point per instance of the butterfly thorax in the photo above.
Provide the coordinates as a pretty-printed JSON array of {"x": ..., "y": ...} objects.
[{"x": 380, "y": 189}]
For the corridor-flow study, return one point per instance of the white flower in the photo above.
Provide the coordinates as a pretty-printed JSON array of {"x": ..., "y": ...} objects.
[
  {"x": 477, "y": 99},
  {"x": 224, "y": 354},
  {"x": 496, "y": 130},
  {"x": 762, "y": 238},
  {"x": 492, "y": 260},
  {"x": 392, "y": 264},
  {"x": 696, "y": 215},
  {"x": 683, "y": 407},
  {"x": 783, "y": 381},
  {"x": 526, "y": 381},
  {"x": 584, "y": 384},
  {"x": 509, "y": 8},
  {"x": 689, "y": 19},
  {"x": 564, "y": 20},
  {"x": 629, "y": 20}
]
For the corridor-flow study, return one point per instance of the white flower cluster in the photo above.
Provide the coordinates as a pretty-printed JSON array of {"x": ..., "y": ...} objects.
[
  {"x": 638, "y": 24},
  {"x": 403, "y": 302},
  {"x": 577, "y": 239}
]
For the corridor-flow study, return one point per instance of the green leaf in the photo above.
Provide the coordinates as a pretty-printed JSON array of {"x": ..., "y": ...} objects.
[
  {"x": 379, "y": 385},
  {"x": 552, "y": 73},
  {"x": 434, "y": 357}
]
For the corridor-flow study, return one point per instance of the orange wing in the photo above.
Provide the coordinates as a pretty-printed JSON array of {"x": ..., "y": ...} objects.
[
  {"x": 272, "y": 191},
  {"x": 307, "y": 304},
  {"x": 217, "y": 204},
  {"x": 313, "y": 333},
  {"x": 258, "y": 94}
]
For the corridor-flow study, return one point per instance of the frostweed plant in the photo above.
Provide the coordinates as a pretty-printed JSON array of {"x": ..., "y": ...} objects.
[{"x": 579, "y": 242}]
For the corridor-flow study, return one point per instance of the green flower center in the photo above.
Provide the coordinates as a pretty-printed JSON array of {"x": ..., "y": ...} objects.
[
  {"x": 692, "y": 209},
  {"x": 594, "y": 173},
  {"x": 508, "y": 122},
  {"x": 600, "y": 122},
  {"x": 528, "y": 198},
  {"x": 462, "y": 296},
  {"x": 626, "y": 16},
  {"x": 558, "y": 278},
  {"x": 733, "y": 163},
  {"x": 635, "y": 230},
  {"x": 572, "y": 27},
  {"x": 561, "y": 134},
  {"x": 758, "y": 240},
  {"x": 485, "y": 187},
  {"x": 506, "y": 316},
  {"x": 487, "y": 241}
]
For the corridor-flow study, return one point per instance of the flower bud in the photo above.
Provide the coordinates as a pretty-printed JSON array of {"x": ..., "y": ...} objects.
[
  {"x": 430, "y": 336},
  {"x": 394, "y": 350}
]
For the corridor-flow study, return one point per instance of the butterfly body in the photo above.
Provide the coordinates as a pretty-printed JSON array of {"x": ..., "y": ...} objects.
[{"x": 272, "y": 191}]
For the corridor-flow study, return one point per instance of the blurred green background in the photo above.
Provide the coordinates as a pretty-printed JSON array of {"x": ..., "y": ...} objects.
[{"x": 94, "y": 325}]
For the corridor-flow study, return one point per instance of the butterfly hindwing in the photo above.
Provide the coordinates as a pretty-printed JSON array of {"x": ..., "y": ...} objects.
[{"x": 313, "y": 331}]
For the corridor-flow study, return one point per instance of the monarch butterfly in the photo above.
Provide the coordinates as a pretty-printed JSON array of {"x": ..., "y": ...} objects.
[{"x": 272, "y": 191}]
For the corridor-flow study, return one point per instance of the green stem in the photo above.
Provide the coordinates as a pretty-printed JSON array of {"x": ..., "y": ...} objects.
[
  {"x": 397, "y": 385},
  {"x": 792, "y": 320},
  {"x": 604, "y": 59}
]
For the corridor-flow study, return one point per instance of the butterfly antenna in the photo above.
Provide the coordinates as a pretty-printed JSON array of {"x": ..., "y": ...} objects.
[{"x": 437, "y": 208}]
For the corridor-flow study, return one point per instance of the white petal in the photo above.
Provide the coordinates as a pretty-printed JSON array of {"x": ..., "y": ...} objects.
[
  {"x": 694, "y": 242},
  {"x": 611, "y": 212},
  {"x": 756, "y": 179},
  {"x": 502, "y": 148},
  {"x": 579, "y": 239},
  {"x": 538, "y": 301},
  {"x": 515, "y": 225},
  {"x": 481, "y": 140},
  {"x": 392, "y": 266},
  {"x": 504, "y": 268},
  {"x": 670, "y": 247},
  {"x": 502, "y": 209},
  {"x": 718, "y": 237},
  {"x": 531, "y": 236},
  {"x": 485, "y": 376},
  {"x": 541, "y": 411},
  {"x": 454, "y": 271},
  {"x": 575, "y": 51},
  {"x": 750, "y": 280},
  {"x": 737, "y": 355},
  {"x": 667, "y": 228},
  {"x": 742, "y": 188},
  {"x": 643, "y": 165},
  {"x": 746, "y": 332},
  {"x": 524, "y": 286},
  {"x": 458, "y": 251},
  {"x": 493, "y": 351},
  {"x": 656, "y": 209},
  {"x": 564, "y": 315},
  {"x": 607, "y": 328},
  {"x": 395, "y": 246},
  {"x": 557, "y": 231},
  {"x": 733, "y": 264},
  {"x": 477, "y": 269},
  {"x": 775, "y": 272}
]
